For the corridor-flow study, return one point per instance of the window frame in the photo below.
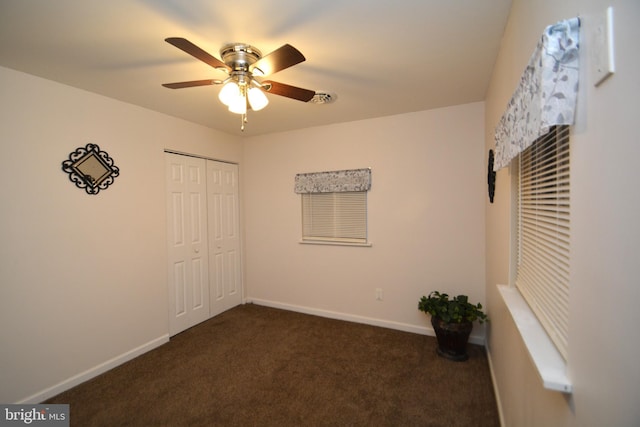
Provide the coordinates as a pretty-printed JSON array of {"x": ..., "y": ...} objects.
[{"x": 337, "y": 218}]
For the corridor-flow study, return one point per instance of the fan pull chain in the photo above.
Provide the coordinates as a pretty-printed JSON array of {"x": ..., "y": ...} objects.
[{"x": 243, "y": 117}]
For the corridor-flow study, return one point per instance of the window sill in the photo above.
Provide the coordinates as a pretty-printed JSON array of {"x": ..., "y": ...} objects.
[
  {"x": 330, "y": 243},
  {"x": 550, "y": 364}
]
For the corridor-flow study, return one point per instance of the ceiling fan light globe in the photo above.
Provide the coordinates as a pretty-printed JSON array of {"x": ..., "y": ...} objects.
[
  {"x": 257, "y": 99},
  {"x": 238, "y": 105},
  {"x": 229, "y": 93}
]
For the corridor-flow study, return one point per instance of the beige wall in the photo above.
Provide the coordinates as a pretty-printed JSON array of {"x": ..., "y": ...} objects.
[
  {"x": 426, "y": 217},
  {"x": 605, "y": 233},
  {"x": 83, "y": 278}
]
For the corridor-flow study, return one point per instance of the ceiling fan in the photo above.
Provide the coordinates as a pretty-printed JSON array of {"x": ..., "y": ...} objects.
[{"x": 243, "y": 63}]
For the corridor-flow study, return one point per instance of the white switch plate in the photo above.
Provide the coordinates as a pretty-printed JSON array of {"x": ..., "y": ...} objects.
[{"x": 602, "y": 59}]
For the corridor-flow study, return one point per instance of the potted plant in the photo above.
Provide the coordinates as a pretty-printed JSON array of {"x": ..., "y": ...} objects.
[{"x": 452, "y": 320}]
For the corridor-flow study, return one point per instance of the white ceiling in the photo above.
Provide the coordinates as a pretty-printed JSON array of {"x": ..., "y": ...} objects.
[{"x": 380, "y": 57}]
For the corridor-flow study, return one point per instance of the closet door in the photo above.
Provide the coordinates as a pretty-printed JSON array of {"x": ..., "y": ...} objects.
[
  {"x": 188, "y": 272},
  {"x": 224, "y": 236}
]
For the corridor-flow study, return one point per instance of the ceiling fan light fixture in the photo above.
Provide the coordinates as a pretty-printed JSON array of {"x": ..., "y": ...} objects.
[
  {"x": 238, "y": 105},
  {"x": 257, "y": 99},
  {"x": 229, "y": 93}
]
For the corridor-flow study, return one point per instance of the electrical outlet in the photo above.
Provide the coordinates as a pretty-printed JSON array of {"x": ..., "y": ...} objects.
[{"x": 379, "y": 294}]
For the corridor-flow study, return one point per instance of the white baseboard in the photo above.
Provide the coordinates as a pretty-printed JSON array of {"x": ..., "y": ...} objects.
[
  {"x": 495, "y": 385},
  {"x": 94, "y": 372},
  {"x": 406, "y": 327}
]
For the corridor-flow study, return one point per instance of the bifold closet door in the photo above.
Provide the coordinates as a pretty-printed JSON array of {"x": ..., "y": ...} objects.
[
  {"x": 188, "y": 269},
  {"x": 225, "y": 268}
]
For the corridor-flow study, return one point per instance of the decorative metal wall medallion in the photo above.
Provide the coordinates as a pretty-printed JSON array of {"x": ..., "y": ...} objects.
[{"x": 90, "y": 168}]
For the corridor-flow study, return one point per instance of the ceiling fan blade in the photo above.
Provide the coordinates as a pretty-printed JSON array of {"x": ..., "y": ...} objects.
[
  {"x": 196, "y": 52},
  {"x": 281, "y": 58},
  {"x": 180, "y": 85},
  {"x": 293, "y": 92}
]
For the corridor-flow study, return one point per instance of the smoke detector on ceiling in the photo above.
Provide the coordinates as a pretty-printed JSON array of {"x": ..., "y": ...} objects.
[{"x": 323, "y": 98}]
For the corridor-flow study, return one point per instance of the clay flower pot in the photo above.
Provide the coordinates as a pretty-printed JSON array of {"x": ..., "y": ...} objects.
[{"x": 452, "y": 338}]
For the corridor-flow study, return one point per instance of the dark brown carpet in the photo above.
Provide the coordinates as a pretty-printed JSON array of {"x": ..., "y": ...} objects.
[{"x": 259, "y": 366}]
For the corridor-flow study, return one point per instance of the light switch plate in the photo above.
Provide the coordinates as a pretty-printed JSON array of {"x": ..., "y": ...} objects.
[{"x": 602, "y": 58}]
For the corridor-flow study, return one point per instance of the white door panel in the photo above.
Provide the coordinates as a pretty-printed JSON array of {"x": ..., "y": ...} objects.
[
  {"x": 188, "y": 271},
  {"x": 224, "y": 240}
]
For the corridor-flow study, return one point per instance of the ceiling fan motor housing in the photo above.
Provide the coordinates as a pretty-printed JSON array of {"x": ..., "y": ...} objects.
[{"x": 239, "y": 56}]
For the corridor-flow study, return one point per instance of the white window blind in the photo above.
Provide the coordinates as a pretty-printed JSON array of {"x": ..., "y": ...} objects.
[
  {"x": 335, "y": 217},
  {"x": 543, "y": 232}
]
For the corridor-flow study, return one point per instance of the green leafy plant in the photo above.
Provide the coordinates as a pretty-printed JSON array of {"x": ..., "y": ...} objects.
[{"x": 455, "y": 310}]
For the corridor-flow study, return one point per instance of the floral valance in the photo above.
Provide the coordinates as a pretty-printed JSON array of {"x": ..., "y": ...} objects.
[
  {"x": 546, "y": 95},
  {"x": 334, "y": 181}
]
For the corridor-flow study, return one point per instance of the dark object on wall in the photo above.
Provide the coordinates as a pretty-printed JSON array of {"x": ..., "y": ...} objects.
[
  {"x": 491, "y": 177},
  {"x": 90, "y": 168}
]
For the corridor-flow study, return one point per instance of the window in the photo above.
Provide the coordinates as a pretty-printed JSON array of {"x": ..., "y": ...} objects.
[
  {"x": 334, "y": 206},
  {"x": 543, "y": 232},
  {"x": 339, "y": 217}
]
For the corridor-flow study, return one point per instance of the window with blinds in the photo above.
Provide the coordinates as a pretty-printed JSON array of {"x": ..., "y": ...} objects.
[
  {"x": 335, "y": 217},
  {"x": 543, "y": 232}
]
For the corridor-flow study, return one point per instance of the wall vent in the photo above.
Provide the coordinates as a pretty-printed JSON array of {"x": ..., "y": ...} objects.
[{"x": 323, "y": 98}]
